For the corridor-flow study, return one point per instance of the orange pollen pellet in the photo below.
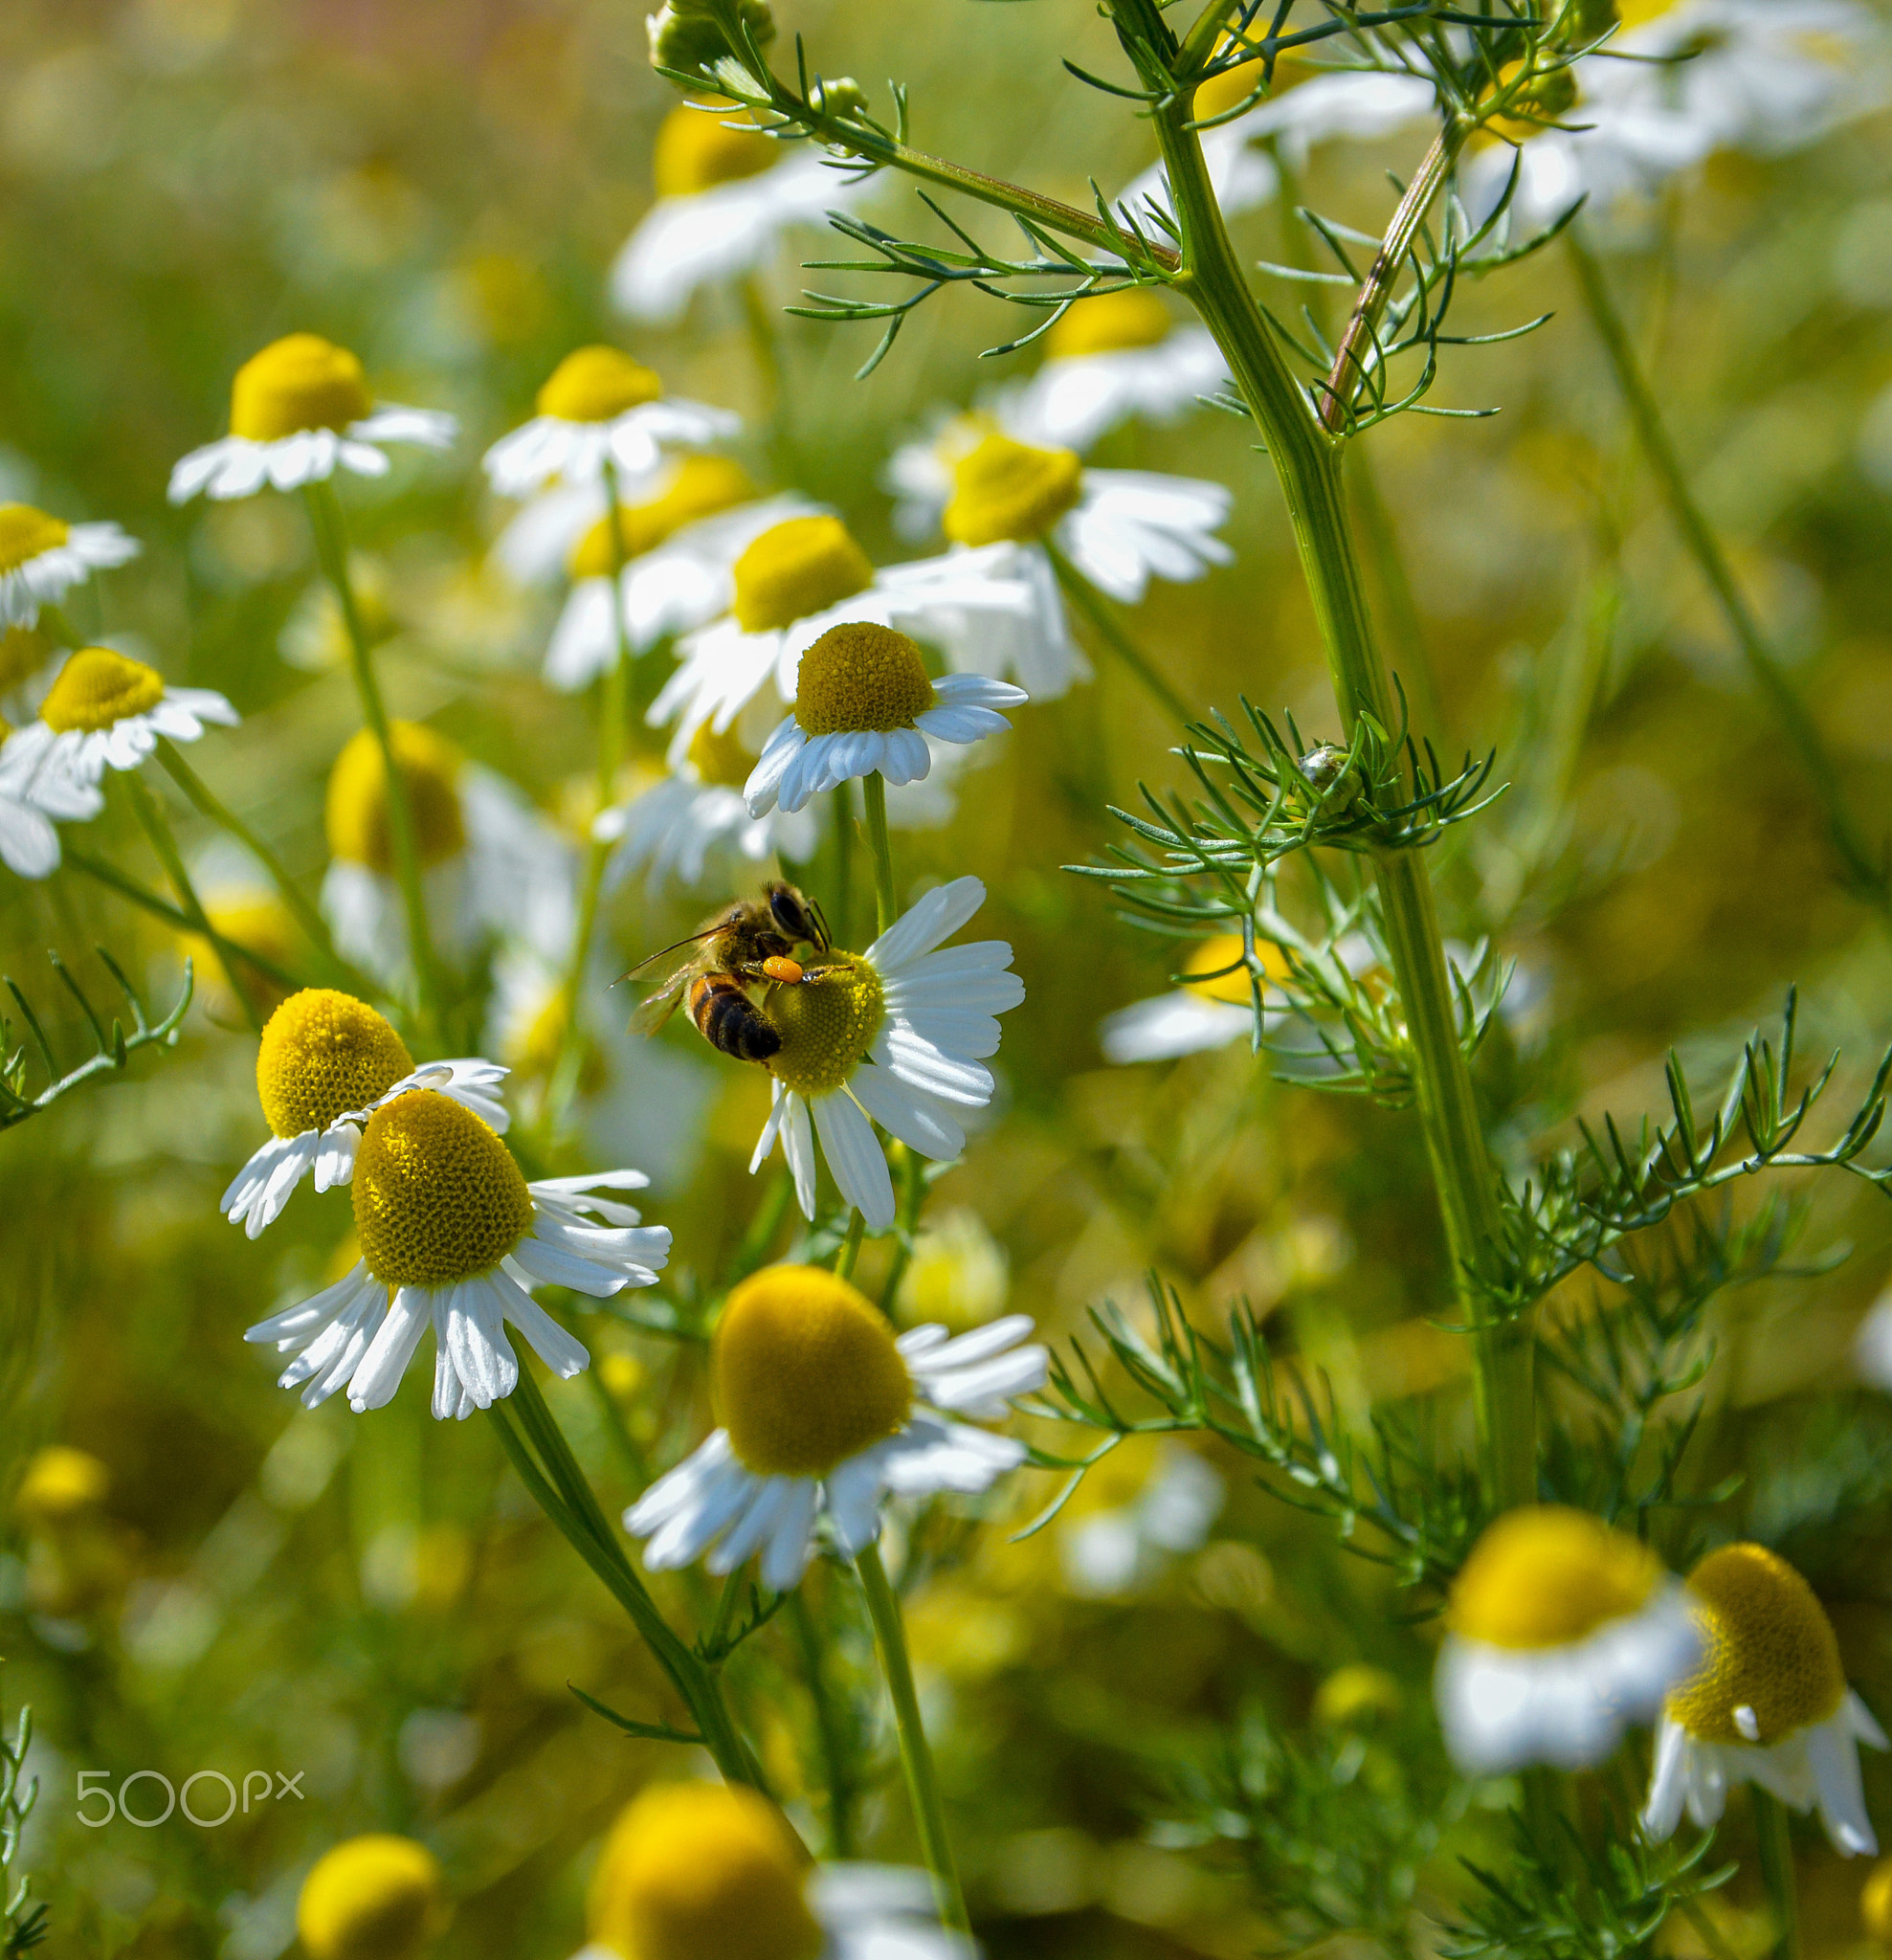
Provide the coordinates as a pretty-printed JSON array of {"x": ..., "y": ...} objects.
[{"x": 778, "y": 968}]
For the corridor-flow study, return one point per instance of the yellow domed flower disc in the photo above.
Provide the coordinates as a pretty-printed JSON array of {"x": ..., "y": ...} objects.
[
  {"x": 300, "y": 382},
  {"x": 800, "y": 567},
  {"x": 322, "y": 1052},
  {"x": 357, "y": 806},
  {"x": 597, "y": 383},
  {"x": 1217, "y": 956},
  {"x": 23, "y": 649},
  {"x": 25, "y": 533},
  {"x": 375, "y": 1898},
  {"x": 804, "y": 1371},
  {"x": 861, "y": 676},
  {"x": 1108, "y": 322},
  {"x": 61, "y": 1483},
  {"x": 1547, "y": 1577},
  {"x": 437, "y": 1196},
  {"x": 98, "y": 687},
  {"x": 720, "y": 759},
  {"x": 1640, "y": 13},
  {"x": 1876, "y": 1902},
  {"x": 1233, "y": 87},
  {"x": 701, "y": 1872},
  {"x": 695, "y": 149},
  {"x": 259, "y": 924},
  {"x": 1773, "y": 1661},
  {"x": 700, "y": 486},
  {"x": 826, "y": 1026},
  {"x": 1005, "y": 489},
  {"x": 1539, "y": 104}
]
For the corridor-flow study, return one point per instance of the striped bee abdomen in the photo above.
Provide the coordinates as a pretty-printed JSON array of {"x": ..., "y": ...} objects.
[{"x": 729, "y": 1020}]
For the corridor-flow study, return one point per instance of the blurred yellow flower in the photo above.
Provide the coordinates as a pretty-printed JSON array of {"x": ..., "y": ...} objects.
[{"x": 372, "y": 1898}]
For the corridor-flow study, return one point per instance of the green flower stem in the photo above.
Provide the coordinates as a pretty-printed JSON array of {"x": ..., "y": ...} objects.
[
  {"x": 1776, "y": 1855},
  {"x": 1866, "y": 872},
  {"x": 873, "y": 794},
  {"x": 831, "y": 1732},
  {"x": 157, "y": 828},
  {"x": 913, "y": 1195},
  {"x": 305, "y": 914},
  {"x": 331, "y": 540},
  {"x": 849, "y": 1248},
  {"x": 159, "y": 907},
  {"x": 843, "y": 816},
  {"x": 763, "y": 324},
  {"x": 922, "y": 1780},
  {"x": 1102, "y": 617},
  {"x": 1406, "y": 630},
  {"x": 753, "y": 1250}
]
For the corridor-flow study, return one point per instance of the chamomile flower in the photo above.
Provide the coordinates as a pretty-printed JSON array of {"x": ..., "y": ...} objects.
[
  {"x": 37, "y": 790},
  {"x": 1769, "y": 1705},
  {"x": 1108, "y": 358},
  {"x": 864, "y": 704},
  {"x": 451, "y": 1237},
  {"x": 1560, "y": 1631},
  {"x": 326, "y": 1062},
  {"x": 299, "y": 411},
  {"x": 105, "y": 710},
  {"x": 826, "y": 1412},
  {"x": 725, "y": 193},
  {"x": 42, "y": 557},
  {"x": 802, "y": 576},
  {"x": 600, "y": 406},
  {"x": 694, "y": 827},
  {"x": 378, "y": 1897},
  {"x": 695, "y": 1870},
  {"x": 1213, "y": 1007},
  {"x": 894, "y": 1036}
]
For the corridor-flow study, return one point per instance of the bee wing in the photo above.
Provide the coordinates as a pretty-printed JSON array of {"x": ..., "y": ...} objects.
[
  {"x": 669, "y": 973},
  {"x": 654, "y": 1012}
]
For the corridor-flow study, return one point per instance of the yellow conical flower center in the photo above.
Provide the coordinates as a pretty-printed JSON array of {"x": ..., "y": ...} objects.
[
  {"x": 1107, "y": 324},
  {"x": 376, "y": 1898},
  {"x": 301, "y": 382},
  {"x": 695, "y": 149},
  {"x": 259, "y": 924},
  {"x": 699, "y": 487},
  {"x": 1222, "y": 953},
  {"x": 861, "y": 676},
  {"x": 437, "y": 1196},
  {"x": 357, "y": 808},
  {"x": 597, "y": 385},
  {"x": 1007, "y": 489},
  {"x": 1640, "y": 13},
  {"x": 61, "y": 1483},
  {"x": 694, "y": 1871},
  {"x": 1773, "y": 1661},
  {"x": 1546, "y": 1576},
  {"x": 25, "y": 533},
  {"x": 826, "y": 1026},
  {"x": 322, "y": 1052},
  {"x": 98, "y": 687},
  {"x": 720, "y": 759},
  {"x": 800, "y": 567},
  {"x": 805, "y": 1373},
  {"x": 23, "y": 649}
]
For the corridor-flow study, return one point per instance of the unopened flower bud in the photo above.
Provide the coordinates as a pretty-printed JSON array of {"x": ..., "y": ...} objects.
[
  {"x": 1325, "y": 769},
  {"x": 843, "y": 98},
  {"x": 704, "y": 38}
]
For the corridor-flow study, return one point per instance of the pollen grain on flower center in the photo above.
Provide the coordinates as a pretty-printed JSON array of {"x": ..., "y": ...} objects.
[
  {"x": 1772, "y": 1652},
  {"x": 25, "y": 533},
  {"x": 299, "y": 382},
  {"x": 357, "y": 807},
  {"x": 322, "y": 1052},
  {"x": 798, "y": 569},
  {"x": 1108, "y": 323},
  {"x": 692, "y": 1870},
  {"x": 98, "y": 687},
  {"x": 826, "y": 1026},
  {"x": 805, "y": 1373},
  {"x": 597, "y": 383},
  {"x": 697, "y": 150},
  {"x": 1222, "y": 958},
  {"x": 1544, "y": 1576},
  {"x": 1002, "y": 488},
  {"x": 437, "y": 1196},
  {"x": 700, "y": 486},
  {"x": 861, "y": 676}
]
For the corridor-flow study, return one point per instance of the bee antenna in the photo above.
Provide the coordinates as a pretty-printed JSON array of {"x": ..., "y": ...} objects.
[
  {"x": 689, "y": 939},
  {"x": 820, "y": 919}
]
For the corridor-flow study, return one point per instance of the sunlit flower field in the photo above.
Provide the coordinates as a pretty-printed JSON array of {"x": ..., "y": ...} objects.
[{"x": 947, "y": 967}]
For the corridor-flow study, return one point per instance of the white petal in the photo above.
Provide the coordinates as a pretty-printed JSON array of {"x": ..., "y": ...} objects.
[{"x": 856, "y": 1159}]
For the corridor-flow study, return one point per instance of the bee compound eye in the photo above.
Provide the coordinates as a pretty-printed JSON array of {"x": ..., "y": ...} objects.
[{"x": 789, "y": 971}]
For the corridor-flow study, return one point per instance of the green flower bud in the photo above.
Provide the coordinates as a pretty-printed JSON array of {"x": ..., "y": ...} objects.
[
  {"x": 703, "y": 37},
  {"x": 842, "y": 98}
]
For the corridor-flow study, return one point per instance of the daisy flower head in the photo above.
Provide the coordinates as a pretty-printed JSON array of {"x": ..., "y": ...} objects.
[
  {"x": 326, "y": 1062},
  {"x": 453, "y": 1238},
  {"x": 826, "y": 1413},
  {"x": 801, "y": 576},
  {"x": 1769, "y": 1704},
  {"x": 1213, "y": 1006},
  {"x": 105, "y": 710},
  {"x": 895, "y": 1036},
  {"x": 37, "y": 790},
  {"x": 694, "y": 1869},
  {"x": 42, "y": 557},
  {"x": 377, "y": 1896},
  {"x": 863, "y": 704},
  {"x": 299, "y": 411},
  {"x": 1561, "y": 1630},
  {"x": 600, "y": 412}
]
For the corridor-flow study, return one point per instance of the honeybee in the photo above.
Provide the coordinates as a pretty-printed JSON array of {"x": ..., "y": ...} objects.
[{"x": 750, "y": 942}]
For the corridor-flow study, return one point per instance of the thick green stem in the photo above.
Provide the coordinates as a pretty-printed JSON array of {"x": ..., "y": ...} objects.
[
  {"x": 873, "y": 794},
  {"x": 1866, "y": 871},
  {"x": 1105, "y": 623},
  {"x": 849, "y": 1250},
  {"x": 923, "y": 1782},
  {"x": 1776, "y": 1843},
  {"x": 843, "y": 893},
  {"x": 331, "y": 539},
  {"x": 1405, "y": 628}
]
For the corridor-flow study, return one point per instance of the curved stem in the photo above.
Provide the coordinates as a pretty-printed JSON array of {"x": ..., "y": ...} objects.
[
  {"x": 873, "y": 794},
  {"x": 916, "y": 1753},
  {"x": 1111, "y": 631}
]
